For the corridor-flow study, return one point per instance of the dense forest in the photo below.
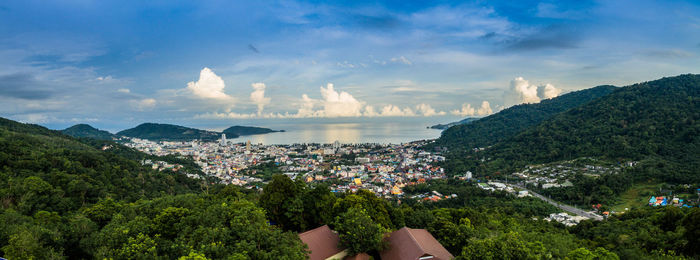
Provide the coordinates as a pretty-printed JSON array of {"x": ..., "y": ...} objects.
[
  {"x": 659, "y": 119},
  {"x": 238, "y": 130},
  {"x": 87, "y": 131},
  {"x": 157, "y": 132},
  {"x": 511, "y": 121}
]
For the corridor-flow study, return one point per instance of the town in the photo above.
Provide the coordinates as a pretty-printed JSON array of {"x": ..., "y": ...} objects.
[{"x": 381, "y": 168}]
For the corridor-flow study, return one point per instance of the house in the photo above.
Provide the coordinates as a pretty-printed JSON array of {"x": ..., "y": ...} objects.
[
  {"x": 414, "y": 244},
  {"x": 323, "y": 243},
  {"x": 405, "y": 243}
]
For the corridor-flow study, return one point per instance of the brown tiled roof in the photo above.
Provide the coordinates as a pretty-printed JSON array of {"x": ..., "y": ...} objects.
[
  {"x": 407, "y": 243},
  {"x": 322, "y": 242},
  {"x": 360, "y": 256}
]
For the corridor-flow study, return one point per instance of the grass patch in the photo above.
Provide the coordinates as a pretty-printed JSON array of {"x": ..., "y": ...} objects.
[{"x": 637, "y": 196}]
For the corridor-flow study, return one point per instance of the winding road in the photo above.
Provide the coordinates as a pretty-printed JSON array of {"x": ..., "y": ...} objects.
[{"x": 563, "y": 207}]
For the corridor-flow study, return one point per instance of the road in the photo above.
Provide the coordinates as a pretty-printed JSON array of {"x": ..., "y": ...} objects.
[{"x": 563, "y": 207}]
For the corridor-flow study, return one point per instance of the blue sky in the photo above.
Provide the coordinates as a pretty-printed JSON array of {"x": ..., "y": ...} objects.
[{"x": 119, "y": 63}]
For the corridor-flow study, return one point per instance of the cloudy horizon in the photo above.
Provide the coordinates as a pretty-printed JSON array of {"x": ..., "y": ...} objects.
[{"x": 109, "y": 63}]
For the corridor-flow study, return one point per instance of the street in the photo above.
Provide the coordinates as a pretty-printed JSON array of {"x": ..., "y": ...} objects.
[{"x": 563, "y": 207}]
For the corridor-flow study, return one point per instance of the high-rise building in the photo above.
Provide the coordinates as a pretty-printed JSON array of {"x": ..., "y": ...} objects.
[
  {"x": 223, "y": 139},
  {"x": 336, "y": 145},
  {"x": 247, "y": 145}
]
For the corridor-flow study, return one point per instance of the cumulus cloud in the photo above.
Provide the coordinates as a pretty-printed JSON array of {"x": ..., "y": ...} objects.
[
  {"x": 339, "y": 104},
  {"x": 209, "y": 86},
  {"x": 258, "y": 96},
  {"x": 306, "y": 109},
  {"x": 548, "y": 91},
  {"x": 521, "y": 91},
  {"x": 468, "y": 110},
  {"x": 427, "y": 110},
  {"x": 333, "y": 103},
  {"x": 144, "y": 104},
  {"x": 391, "y": 110}
]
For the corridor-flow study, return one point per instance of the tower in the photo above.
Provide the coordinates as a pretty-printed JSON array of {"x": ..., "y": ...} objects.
[
  {"x": 223, "y": 139},
  {"x": 247, "y": 145},
  {"x": 336, "y": 145}
]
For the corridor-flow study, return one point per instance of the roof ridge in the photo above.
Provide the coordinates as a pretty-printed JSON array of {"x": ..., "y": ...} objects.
[
  {"x": 310, "y": 230},
  {"x": 415, "y": 241}
]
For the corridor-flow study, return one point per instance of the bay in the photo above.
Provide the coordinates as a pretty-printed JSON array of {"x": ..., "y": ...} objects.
[{"x": 348, "y": 131}]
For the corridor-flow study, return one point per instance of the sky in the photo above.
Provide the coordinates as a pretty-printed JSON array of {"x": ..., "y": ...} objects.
[{"x": 115, "y": 64}]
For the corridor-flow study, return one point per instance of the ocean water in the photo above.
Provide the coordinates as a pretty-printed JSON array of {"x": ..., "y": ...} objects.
[{"x": 384, "y": 131}]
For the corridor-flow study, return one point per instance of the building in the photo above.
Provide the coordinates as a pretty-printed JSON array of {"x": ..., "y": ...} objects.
[
  {"x": 414, "y": 244},
  {"x": 323, "y": 243},
  {"x": 336, "y": 145},
  {"x": 362, "y": 160},
  {"x": 405, "y": 243},
  {"x": 223, "y": 139}
]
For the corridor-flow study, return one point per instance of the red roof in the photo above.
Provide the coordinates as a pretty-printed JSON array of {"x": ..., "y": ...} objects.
[
  {"x": 322, "y": 242},
  {"x": 407, "y": 243},
  {"x": 360, "y": 256}
]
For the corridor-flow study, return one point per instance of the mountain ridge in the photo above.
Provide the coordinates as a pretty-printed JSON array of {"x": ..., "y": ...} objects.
[
  {"x": 88, "y": 131},
  {"x": 451, "y": 124},
  {"x": 659, "y": 118},
  {"x": 510, "y": 121},
  {"x": 168, "y": 132},
  {"x": 248, "y": 130}
]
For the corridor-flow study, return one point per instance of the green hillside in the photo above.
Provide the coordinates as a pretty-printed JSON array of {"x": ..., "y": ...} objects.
[
  {"x": 62, "y": 197},
  {"x": 87, "y": 131},
  {"x": 167, "y": 132},
  {"x": 656, "y": 119},
  {"x": 511, "y": 121},
  {"x": 460, "y": 122},
  {"x": 247, "y": 130},
  {"x": 36, "y": 162}
]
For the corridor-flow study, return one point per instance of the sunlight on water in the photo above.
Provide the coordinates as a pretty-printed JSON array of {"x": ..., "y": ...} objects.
[{"x": 355, "y": 132}]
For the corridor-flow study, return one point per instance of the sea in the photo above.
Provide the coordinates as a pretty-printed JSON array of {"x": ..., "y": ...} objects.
[{"x": 343, "y": 130}]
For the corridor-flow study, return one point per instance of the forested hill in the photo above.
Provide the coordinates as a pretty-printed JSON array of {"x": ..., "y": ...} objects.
[
  {"x": 511, "y": 121},
  {"x": 44, "y": 169},
  {"x": 85, "y": 130},
  {"x": 67, "y": 198},
  {"x": 157, "y": 132},
  {"x": 657, "y": 119},
  {"x": 460, "y": 122},
  {"x": 246, "y": 130}
]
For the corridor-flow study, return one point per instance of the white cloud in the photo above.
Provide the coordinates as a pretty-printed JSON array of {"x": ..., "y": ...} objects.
[
  {"x": 391, "y": 110},
  {"x": 258, "y": 96},
  {"x": 124, "y": 90},
  {"x": 427, "y": 110},
  {"x": 333, "y": 103},
  {"x": 343, "y": 104},
  {"x": 401, "y": 59},
  {"x": 307, "y": 107},
  {"x": 468, "y": 110},
  {"x": 548, "y": 91},
  {"x": 144, "y": 104},
  {"x": 339, "y": 104},
  {"x": 209, "y": 86},
  {"x": 521, "y": 91}
]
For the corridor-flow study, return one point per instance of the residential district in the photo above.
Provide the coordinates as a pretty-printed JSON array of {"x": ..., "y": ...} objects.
[{"x": 382, "y": 168}]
